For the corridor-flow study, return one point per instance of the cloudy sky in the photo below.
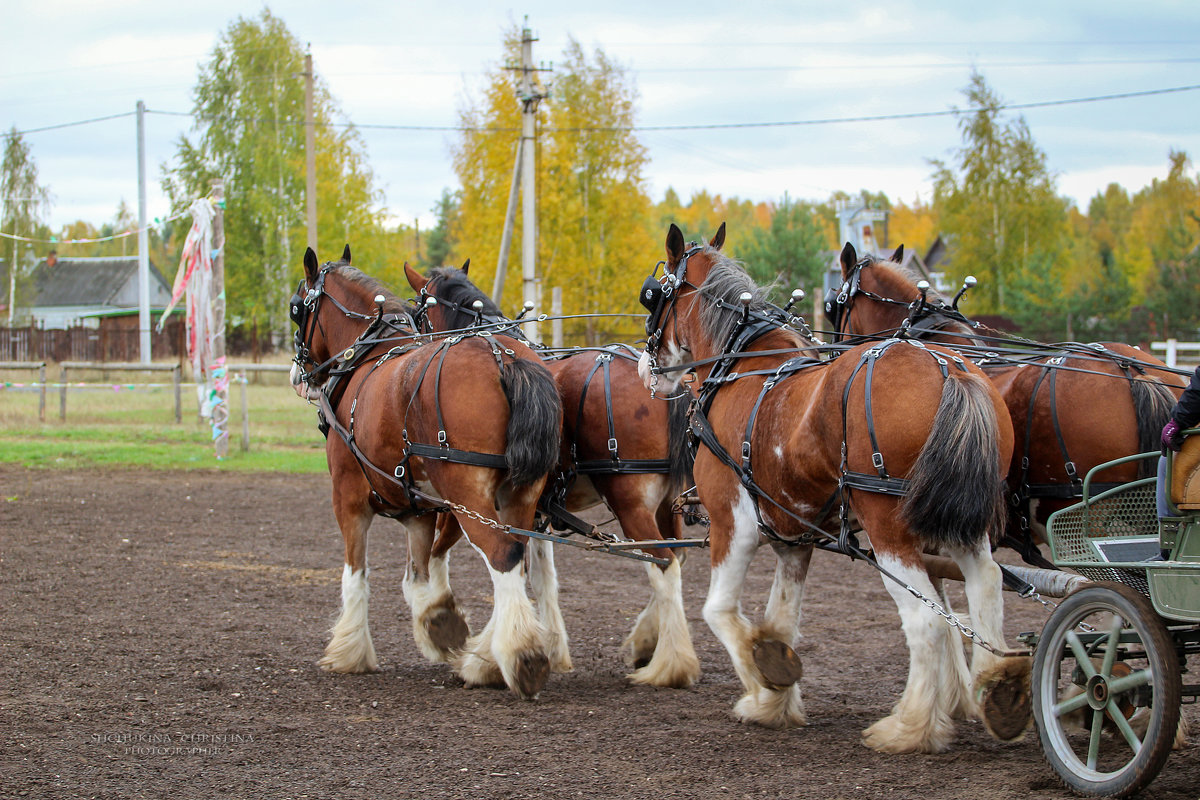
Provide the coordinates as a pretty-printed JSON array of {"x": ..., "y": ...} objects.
[{"x": 694, "y": 64}]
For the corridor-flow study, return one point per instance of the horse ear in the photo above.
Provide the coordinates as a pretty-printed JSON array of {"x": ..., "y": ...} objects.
[
  {"x": 849, "y": 259},
  {"x": 898, "y": 256},
  {"x": 718, "y": 238},
  {"x": 311, "y": 268},
  {"x": 466, "y": 264},
  {"x": 674, "y": 245},
  {"x": 415, "y": 279},
  {"x": 346, "y": 254}
]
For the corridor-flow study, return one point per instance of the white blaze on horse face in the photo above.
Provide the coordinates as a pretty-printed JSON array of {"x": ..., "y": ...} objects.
[
  {"x": 297, "y": 383},
  {"x": 668, "y": 356}
]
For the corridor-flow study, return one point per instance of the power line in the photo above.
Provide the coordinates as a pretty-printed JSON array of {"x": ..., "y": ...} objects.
[{"x": 653, "y": 128}]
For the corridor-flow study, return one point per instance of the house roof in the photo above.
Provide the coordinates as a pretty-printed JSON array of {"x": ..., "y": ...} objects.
[{"x": 87, "y": 281}]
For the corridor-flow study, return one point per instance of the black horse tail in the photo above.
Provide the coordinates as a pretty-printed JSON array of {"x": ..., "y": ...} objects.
[
  {"x": 954, "y": 495},
  {"x": 534, "y": 420},
  {"x": 1152, "y": 405},
  {"x": 681, "y": 457}
]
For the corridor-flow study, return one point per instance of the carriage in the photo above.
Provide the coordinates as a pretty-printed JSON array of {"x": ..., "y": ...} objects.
[{"x": 1106, "y": 680}]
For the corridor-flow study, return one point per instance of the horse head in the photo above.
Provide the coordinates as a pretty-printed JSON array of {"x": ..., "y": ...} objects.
[
  {"x": 702, "y": 297},
  {"x": 334, "y": 306},
  {"x": 447, "y": 300},
  {"x": 882, "y": 297}
]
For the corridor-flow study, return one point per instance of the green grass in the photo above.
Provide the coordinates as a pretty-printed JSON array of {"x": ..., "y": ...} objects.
[{"x": 114, "y": 425}]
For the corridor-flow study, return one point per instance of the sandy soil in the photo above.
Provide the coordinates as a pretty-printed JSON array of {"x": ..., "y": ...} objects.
[{"x": 160, "y": 632}]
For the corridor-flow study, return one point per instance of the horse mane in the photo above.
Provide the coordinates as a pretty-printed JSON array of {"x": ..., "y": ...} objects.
[
  {"x": 456, "y": 288},
  {"x": 727, "y": 280},
  {"x": 899, "y": 282},
  {"x": 373, "y": 287}
]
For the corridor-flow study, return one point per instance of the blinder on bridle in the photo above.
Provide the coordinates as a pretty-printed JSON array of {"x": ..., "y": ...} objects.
[
  {"x": 838, "y": 301},
  {"x": 658, "y": 295}
]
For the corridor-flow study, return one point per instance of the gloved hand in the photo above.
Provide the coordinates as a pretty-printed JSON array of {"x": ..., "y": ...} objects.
[{"x": 1171, "y": 438}]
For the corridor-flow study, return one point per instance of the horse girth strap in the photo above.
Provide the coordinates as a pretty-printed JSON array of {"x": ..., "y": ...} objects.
[{"x": 702, "y": 429}]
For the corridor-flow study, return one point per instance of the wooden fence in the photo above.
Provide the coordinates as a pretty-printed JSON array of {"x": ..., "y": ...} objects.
[{"x": 116, "y": 339}]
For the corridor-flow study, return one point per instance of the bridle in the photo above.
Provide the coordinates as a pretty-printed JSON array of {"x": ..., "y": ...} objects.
[
  {"x": 304, "y": 308},
  {"x": 427, "y": 299},
  {"x": 659, "y": 295},
  {"x": 925, "y": 317}
]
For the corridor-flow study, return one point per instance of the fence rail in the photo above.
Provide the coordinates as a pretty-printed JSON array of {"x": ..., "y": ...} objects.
[
  {"x": 1173, "y": 349},
  {"x": 40, "y": 366}
]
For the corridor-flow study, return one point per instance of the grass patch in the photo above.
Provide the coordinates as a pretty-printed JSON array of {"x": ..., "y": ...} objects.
[{"x": 113, "y": 422}]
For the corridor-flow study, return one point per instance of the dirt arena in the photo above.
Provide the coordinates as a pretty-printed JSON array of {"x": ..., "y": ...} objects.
[{"x": 160, "y": 632}]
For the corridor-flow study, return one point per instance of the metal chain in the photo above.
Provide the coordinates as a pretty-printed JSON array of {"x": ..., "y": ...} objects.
[{"x": 955, "y": 622}]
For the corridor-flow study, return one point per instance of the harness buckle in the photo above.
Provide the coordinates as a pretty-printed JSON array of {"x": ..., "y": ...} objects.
[
  {"x": 1070, "y": 468},
  {"x": 877, "y": 460},
  {"x": 399, "y": 471},
  {"x": 612, "y": 446},
  {"x": 441, "y": 437}
]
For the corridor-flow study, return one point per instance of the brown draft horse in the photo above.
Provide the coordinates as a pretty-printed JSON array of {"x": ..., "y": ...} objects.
[
  {"x": 1072, "y": 406},
  {"x": 623, "y": 448},
  {"x": 418, "y": 426},
  {"x": 906, "y": 417}
]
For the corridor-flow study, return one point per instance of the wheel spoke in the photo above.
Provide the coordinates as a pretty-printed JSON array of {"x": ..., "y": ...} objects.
[
  {"x": 1093, "y": 757},
  {"x": 1123, "y": 726},
  {"x": 1071, "y": 704},
  {"x": 1114, "y": 641},
  {"x": 1081, "y": 656},
  {"x": 1131, "y": 681}
]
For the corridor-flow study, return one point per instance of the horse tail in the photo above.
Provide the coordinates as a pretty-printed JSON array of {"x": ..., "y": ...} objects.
[
  {"x": 954, "y": 495},
  {"x": 534, "y": 420},
  {"x": 1152, "y": 405},
  {"x": 681, "y": 457}
]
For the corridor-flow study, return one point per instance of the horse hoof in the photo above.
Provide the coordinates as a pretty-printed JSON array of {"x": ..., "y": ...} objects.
[
  {"x": 1004, "y": 704},
  {"x": 533, "y": 670},
  {"x": 447, "y": 630},
  {"x": 778, "y": 663}
]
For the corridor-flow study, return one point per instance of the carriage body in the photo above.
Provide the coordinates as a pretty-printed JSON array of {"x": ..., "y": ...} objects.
[
  {"x": 1109, "y": 663},
  {"x": 1116, "y": 535}
]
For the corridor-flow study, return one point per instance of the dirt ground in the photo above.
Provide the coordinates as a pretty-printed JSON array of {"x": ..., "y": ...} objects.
[{"x": 160, "y": 632}]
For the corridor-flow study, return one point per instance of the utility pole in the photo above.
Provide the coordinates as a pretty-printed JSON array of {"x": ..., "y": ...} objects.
[
  {"x": 143, "y": 241},
  {"x": 310, "y": 152},
  {"x": 529, "y": 99}
]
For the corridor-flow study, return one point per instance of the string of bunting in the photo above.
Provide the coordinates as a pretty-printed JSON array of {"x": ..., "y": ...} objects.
[
  {"x": 114, "y": 237},
  {"x": 194, "y": 277}
]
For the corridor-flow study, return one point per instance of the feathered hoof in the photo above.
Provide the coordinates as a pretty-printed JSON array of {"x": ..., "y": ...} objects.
[
  {"x": 447, "y": 630},
  {"x": 531, "y": 673},
  {"x": 894, "y": 735},
  {"x": 1003, "y": 695},
  {"x": 680, "y": 673},
  {"x": 778, "y": 663},
  {"x": 777, "y": 709},
  {"x": 350, "y": 654},
  {"x": 335, "y": 662},
  {"x": 478, "y": 672}
]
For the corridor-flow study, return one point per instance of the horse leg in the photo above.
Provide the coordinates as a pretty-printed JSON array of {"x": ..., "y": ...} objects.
[
  {"x": 922, "y": 719},
  {"x": 660, "y": 645},
  {"x": 439, "y": 625},
  {"x": 777, "y": 635},
  {"x": 511, "y": 650},
  {"x": 764, "y": 703},
  {"x": 350, "y": 648},
  {"x": 958, "y": 701},
  {"x": 543, "y": 584},
  {"x": 1000, "y": 684}
]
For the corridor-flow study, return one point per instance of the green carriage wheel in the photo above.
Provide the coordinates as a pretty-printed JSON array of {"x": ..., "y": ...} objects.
[{"x": 1106, "y": 691}]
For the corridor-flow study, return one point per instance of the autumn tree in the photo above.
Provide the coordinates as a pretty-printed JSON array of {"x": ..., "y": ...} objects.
[
  {"x": 998, "y": 207},
  {"x": 249, "y": 122},
  {"x": 592, "y": 205},
  {"x": 791, "y": 251},
  {"x": 23, "y": 200}
]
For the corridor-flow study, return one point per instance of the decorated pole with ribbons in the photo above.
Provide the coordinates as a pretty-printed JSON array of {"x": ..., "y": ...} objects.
[{"x": 201, "y": 275}]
